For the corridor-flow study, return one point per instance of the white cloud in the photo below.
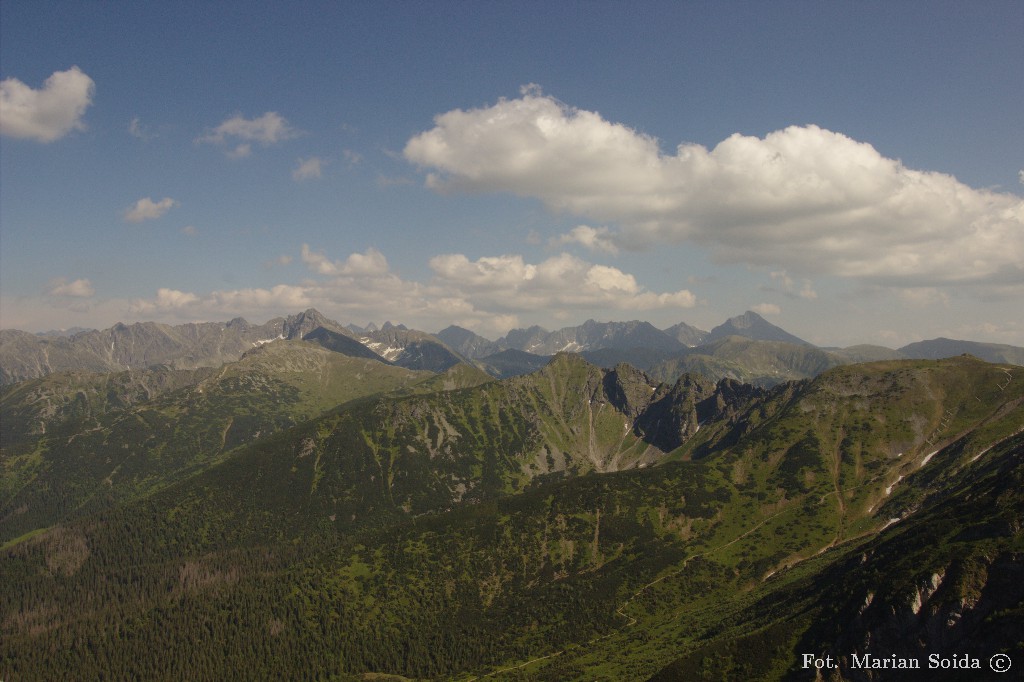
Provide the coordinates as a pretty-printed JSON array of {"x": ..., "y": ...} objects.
[
  {"x": 371, "y": 263},
  {"x": 766, "y": 309},
  {"x": 170, "y": 298},
  {"x": 486, "y": 294},
  {"x": 807, "y": 291},
  {"x": 268, "y": 129},
  {"x": 352, "y": 158},
  {"x": 190, "y": 231},
  {"x": 593, "y": 238},
  {"x": 147, "y": 209},
  {"x": 487, "y": 273},
  {"x": 509, "y": 284},
  {"x": 924, "y": 296},
  {"x": 282, "y": 260},
  {"x": 385, "y": 181},
  {"x": 79, "y": 288},
  {"x": 788, "y": 286},
  {"x": 189, "y": 305},
  {"x": 804, "y": 199},
  {"x": 308, "y": 168},
  {"x": 240, "y": 152},
  {"x": 47, "y": 114},
  {"x": 137, "y": 130}
]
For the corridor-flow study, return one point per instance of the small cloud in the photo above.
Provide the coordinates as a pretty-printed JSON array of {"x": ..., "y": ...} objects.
[
  {"x": 1020, "y": 176},
  {"x": 147, "y": 209},
  {"x": 783, "y": 279},
  {"x": 240, "y": 152},
  {"x": 807, "y": 291},
  {"x": 308, "y": 168},
  {"x": 283, "y": 259},
  {"x": 786, "y": 285},
  {"x": 352, "y": 158},
  {"x": 190, "y": 230},
  {"x": 924, "y": 296},
  {"x": 371, "y": 263},
  {"x": 137, "y": 130},
  {"x": 47, "y": 114},
  {"x": 385, "y": 181},
  {"x": 890, "y": 336},
  {"x": 171, "y": 298},
  {"x": 80, "y": 288},
  {"x": 268, "y": 129},
  {"x": 766, "y": 309},
  {"x": 595, "y": 239}
]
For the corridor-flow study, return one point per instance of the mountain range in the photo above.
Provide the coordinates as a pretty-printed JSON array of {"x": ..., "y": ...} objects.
[
  {"x": 316, "y": 509},
  {"x": 746, "y": 348}
]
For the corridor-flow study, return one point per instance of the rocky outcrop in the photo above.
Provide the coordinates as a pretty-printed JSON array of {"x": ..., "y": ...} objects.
[{"x": 949, "y": 612}]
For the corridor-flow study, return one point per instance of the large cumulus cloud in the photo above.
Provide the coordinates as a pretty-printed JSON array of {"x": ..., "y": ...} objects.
[{"x": 805, "y": 199}]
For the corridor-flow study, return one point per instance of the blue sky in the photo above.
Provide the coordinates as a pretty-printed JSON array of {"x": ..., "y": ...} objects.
[{"x": 850, "y": 170}]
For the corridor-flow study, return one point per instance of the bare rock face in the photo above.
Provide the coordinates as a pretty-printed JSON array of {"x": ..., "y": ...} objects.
[{"x": 944, "y": 613}]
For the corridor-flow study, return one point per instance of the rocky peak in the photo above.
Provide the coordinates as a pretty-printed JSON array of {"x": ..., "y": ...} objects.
[
  {"x": 297, "y": 326},
  {"x": 750, "y": 325},
  {"x": 628, "y": 389}
]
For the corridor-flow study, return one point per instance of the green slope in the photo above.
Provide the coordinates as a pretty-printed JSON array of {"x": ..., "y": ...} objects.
[
  {"x": 80, "y": 442},
  {"x": 421, "y": 536}
]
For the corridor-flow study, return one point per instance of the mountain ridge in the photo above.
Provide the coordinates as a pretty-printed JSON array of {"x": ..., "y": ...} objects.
[{"x": 685, "y": 348}]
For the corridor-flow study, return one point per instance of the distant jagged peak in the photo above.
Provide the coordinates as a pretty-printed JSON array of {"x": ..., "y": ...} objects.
[
  {"x": 297, "y": 326},
  {"x": 64, "y": 333},
  {"x": 516, "y": 338},
  {"x": 455, "y": 331},
  {"x": 752, "y": 326},
  {"x": 310, "y": 315},
  {"x": 468, "y": 343},
  {"x": 592, "y": 335},
  {"x": 686, "y": 334},
  {"x": 747, "y": 320}
]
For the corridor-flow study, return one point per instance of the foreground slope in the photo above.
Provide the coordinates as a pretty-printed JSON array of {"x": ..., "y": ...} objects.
[{"x": 422, "y": 536}]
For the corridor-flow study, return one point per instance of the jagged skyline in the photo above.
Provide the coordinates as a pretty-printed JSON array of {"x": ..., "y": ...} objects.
[{"x": 510, "y": 168}]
